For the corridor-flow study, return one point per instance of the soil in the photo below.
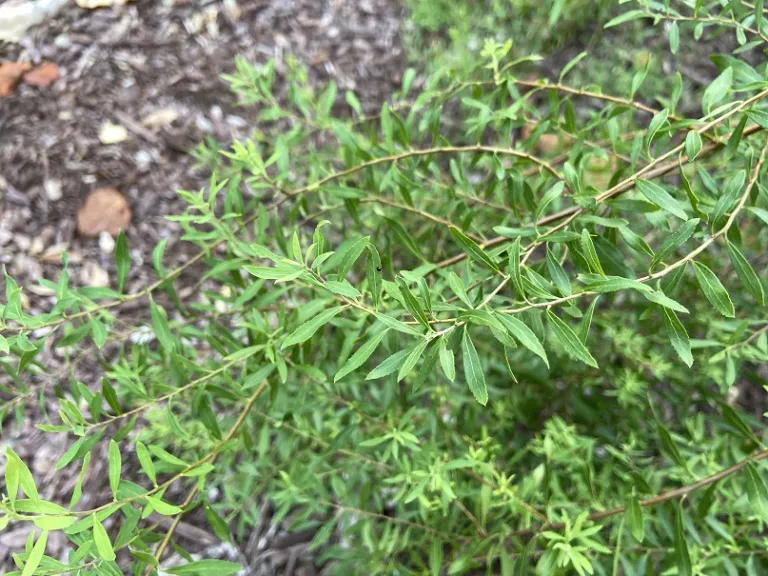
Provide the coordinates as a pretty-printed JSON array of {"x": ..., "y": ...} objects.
[{"x": 153, "y": 67}]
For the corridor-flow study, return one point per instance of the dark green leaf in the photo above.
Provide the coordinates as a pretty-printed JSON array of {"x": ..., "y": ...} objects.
[
  {"x": 115, "y": 466},
  {"x": 524, "y": 335},
  {"x": 359, "y": 357},
  {"x": 514, "y": 269},
  {"x": 571, "y": 343},
  {"x": 160, "y": 326},
  {"x": 205, "y": 568},
  {"x": 473, "y": 370},
  {"x": 668, "y": 446},
  {"x": 661, "y": 198},
  {"x": 472, "y": 249},
  {"x": 746, "y": 274},
  {"x": 633, "y": 515},
  {"x": 308, "y": 329},
  {"x": 682, "y": 558},
  {"x": 714, "y": 290},
  {"x": 122, "y": 260},
  {"x": 389, "y": 365},
  {"x": 678, "y": 337},
  {"x": 413, "y": 305},
  {"x": 411, "y": 359}
]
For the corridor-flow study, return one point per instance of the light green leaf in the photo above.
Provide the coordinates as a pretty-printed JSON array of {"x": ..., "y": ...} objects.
[
  {"x": 674, "y": 38},
  {"x": 145, "y": 460},
  {"x": 472, "y": 249},
  {"x": 658, "y": 297},
  {"x": 746, "y": 274},
  {"x": 359, "y": 357},
  {"x": 411, "y": 359},
  {"x": 427, "y": 367},
  {"x": 573, "y": 346},
  {"x": 627, "y": 17},
  {"x": 101, "y": 539},
  {"x": 389, "y": 365},
  {"x": 36, "y": 555},
  {"x": 473, "y": 370},
  {"x": 558, "y": 275},
  {"x": 714, "y": 290},
  {"x": 115, "y": 464},
  {"x": 616, "y": 283},
  {"x": 668, "y": 446},
  {"x": 661, "y": 198},
  {"x": 757, "y": 493},
  {"x": 589, "y": 252},
  {"x": 692, "y": 145},
  {"x": 457, "y": 287},
  {"x": 373, "y": 274},
  {"x": 160, "y": 326},
  {"x": 351, "y": 256},
  {"x": 675, "y": 240},
  {"x": 206, "y": 568},
  {"x": 162, "y": 507},
  {"x": 413, "y": 305},
  {"x": 514, "y": 269},
  {"x": 343, "y": 288},
  {"x": 308, "y": 329},
  {"x": 717, "y": 90},
  {"x": 524, "y": 335},
  {"x": 658, "y": 120},
  {"x": 447, "y": 360},
  {"x": 633, "y": 515}
]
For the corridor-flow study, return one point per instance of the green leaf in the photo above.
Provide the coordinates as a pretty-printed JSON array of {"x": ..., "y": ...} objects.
[
  {"x": 633, "y": 515},
  {"x": 757, "y": 493},
  {"x": 358, "y": 358},
  {"x": 658, "y": 120},
  {"x": 145, "y": 460},
  {"x": 457, "y": 287},
  {"x": 658, "y": 297},
  {"x": 616, "y": 283},
  {"x": 472, "y": 249},
  {"x": 746, "y": 274},
  {"x": 549, "y": 196},
  {"x": 389, "y": 365},
  {"x": 17, "y": 475},
  {"x": 122, "y": 260},
  {"x": 343, "y": 288},
  {"x": 447, "y": 362},
  {"x": 627, "y": 17},
  {"x": 692, "y": 145},
  {"x": 714, "y": 290},
  {"x": 674, "y": 38},
  {"x": 353, "y": 102},
  {"x": 759, "y": 15},
  {"x": 573, "y": 346},
  {"x": 373, "y": 274},
  {"x": 411, "y": 359},
  {"x": 36, "y": 555},
  {"x": 205, "y": 568},
  {"x": 351, "y": 256},
  {"x": 717, "y": 90},
  {"x": 668, "y": 446},
  {"x": 160, "y": 326},
  {"x": 678, "y": 337},
  {"x": 427, "y": 367},
  {"x": 115, "y": 465},
  {"x": 386, "y": 125},
  {"x": 524, "y": 335},
  {"x": 216, "y": 522},
  {"x": 157, "y": 257},
  {"x": 435, "y": 556},
  {"x": 586, "y": 322},
  {"x": 558, "y": 275},
  {"x": 403, "y": 237},
  {"x": 661, "y": 198},
  {"x": 162, "y": 507},
  {"x": 308, "y": 329},
  {"x": 514, "y": 269},
  {"x": 101, "y": 539},
  {"x": 682, "y": 558},
  {"x": 675, "y": 240},
  {"x": 589, "y": 252},
  {"x": 473, "y": 370},
  {"x": 733, "y": 141},
  {"x": 413, "y": 305},
  {"x": 732, "y": 417},
  {"x": 568, "y": 67}
]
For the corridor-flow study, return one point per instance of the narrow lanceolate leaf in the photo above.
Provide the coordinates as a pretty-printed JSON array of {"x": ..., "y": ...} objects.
[
  {"x": 682, "y": 558},
  {"x": 524, "y": 335},
  {"x": 675, "y": 240},
  {"x": 457, "y": 287},
  {"x": 36, "y": 555},
  {"x": 658, "y": 120},
  {"x": 616, "y": 283},
  {"x": 447, "y": 362},
  {"x": 122, "y": 260},
  {"x": 714, "y": 290},
  {"x": 160, "y": 326},
  {"x": 308, "y": 329},
  {"x": 145, "y": 461},
  {"x": 661, "y": 198},
  {"x": 558, "y": 275},
  {"x": 746, "y": 274},
  {"x": 373, "y": 274},
  {"x": 514, "y": 268},
  {"x": 732, "y": 417},
  {"x": 388, "y": 366},
  {"x": 413, "y": 305},
  {"x": 692, "y": 145},
  {"x": 162, "y": 507},
  {"x": 472, "y": 249},
  {"x": 473, "y": 371},
  {"x": 757, "y": 493},
  {"x": 574, "y": 347},
  {"x": 586, "y": 322},
  {"x": 206, "y": 568},
  {"x": 115, "y": 464},
  {"x": 411, "y": 359},
  {"x": 633, "y": 515},
  {"x": 668, "y": 446},
  {"x": 101, "y": 539},
  {"x": 427, "y": 367},
  {"x": 351, "y": 256},
  {"x": 658, "y": 297},
  {"x": 589, "y": 252},
  {"x": 358, "y": 358},
  {"x": 678, "y": 337}
]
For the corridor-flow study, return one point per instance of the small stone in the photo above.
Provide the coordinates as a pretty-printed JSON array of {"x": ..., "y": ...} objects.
[
  {"x": 160, "y": 118},
  {"x": 52, "y": 189},
  {"x": 42, "y": 76},
  {"x": 106, "y": 242},
  {"x": 112, "y": 133},
  {"x": 94, "y": 275},
  {"x": 53, "y": 253}
]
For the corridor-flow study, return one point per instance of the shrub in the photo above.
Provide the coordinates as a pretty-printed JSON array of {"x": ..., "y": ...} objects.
[{"x": 502, "y": 324}]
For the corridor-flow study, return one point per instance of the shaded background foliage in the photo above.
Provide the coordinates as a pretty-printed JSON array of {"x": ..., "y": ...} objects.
[{"x": 514, "y": 322}]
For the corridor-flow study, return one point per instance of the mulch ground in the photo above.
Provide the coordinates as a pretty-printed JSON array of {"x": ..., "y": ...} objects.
[{"x": 160, "y": 60}]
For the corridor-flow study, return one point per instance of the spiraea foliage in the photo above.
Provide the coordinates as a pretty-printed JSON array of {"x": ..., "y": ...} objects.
[{"x": 504, "y": 326}]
